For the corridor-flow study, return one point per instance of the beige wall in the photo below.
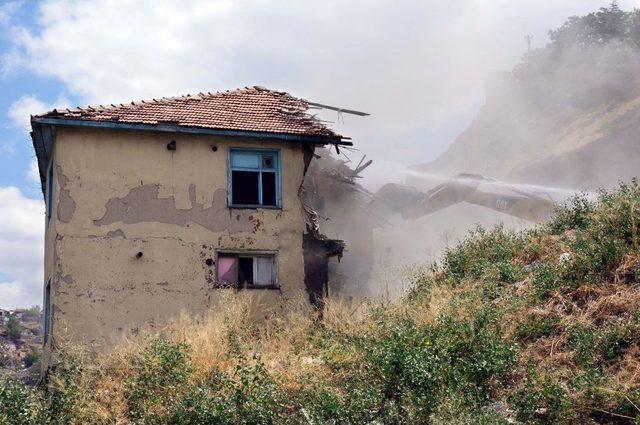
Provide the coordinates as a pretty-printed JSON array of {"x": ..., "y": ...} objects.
[{"x": 118, "y": 193}]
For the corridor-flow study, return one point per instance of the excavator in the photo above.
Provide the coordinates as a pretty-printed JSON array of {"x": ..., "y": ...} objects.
[
  {"x": 338, "y": 205},
  {"x": 526, "y": 202}
]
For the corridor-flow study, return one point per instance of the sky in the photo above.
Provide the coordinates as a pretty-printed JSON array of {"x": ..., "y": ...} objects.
[{"x": 417, "y": 66}]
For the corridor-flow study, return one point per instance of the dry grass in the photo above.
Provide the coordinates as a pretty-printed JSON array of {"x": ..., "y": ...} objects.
[{"x": 281, "y": 342}]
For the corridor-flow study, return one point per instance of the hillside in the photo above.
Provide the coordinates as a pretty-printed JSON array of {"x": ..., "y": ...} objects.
[
  {"x": 540, "y": 326},
  {"x": 515, "y": 142},
  {"x": 567, "y": 115},
  {"x": 20, "y": 343}
]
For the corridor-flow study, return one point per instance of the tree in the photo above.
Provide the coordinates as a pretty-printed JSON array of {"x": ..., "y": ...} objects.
[
  {"x": 608, "y": 23},
  {"x": 14, "y": 327}
]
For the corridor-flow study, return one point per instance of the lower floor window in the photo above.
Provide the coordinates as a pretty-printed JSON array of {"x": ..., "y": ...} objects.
[{"x": 246, "y": 270}]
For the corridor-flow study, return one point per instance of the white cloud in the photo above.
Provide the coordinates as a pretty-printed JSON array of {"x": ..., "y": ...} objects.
[
  {"x": 21, "y": 110},
  {"x": 33, "y": 174},
  {"x": 21, "y": 249},
  {"x": 417, "y": 66}
]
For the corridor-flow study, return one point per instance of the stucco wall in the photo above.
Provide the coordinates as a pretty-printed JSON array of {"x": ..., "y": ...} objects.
[{"x": 120, "y": 193}]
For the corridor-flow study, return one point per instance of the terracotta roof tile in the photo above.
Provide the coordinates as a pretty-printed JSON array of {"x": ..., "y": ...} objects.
[{"x": 249, "y": 109}]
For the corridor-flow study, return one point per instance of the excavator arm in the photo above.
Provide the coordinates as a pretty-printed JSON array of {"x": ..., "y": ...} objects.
[{"x": 472, "y": 188}]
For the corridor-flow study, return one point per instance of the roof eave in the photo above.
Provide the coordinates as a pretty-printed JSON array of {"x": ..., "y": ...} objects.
[
  {"x": 42, "y": 139},
  {"x": 175, "y": 128}
]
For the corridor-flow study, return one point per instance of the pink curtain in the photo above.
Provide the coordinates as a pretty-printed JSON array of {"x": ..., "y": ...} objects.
[{"x": 227, "y": 270}]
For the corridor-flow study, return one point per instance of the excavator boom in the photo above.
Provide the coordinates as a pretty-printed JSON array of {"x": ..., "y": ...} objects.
[{"x": 472, "y": 188}]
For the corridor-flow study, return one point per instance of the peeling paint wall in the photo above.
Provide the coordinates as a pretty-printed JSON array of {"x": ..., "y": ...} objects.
[{"x": 118, "y": 194}]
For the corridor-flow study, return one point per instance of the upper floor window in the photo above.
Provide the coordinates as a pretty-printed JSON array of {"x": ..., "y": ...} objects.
[{"x": 254, "y": 178}]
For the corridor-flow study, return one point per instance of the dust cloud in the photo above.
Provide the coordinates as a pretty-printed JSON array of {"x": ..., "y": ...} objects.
[{"x": 563, "y": 121}]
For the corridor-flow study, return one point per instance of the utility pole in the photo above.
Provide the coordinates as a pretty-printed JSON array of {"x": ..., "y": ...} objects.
[{"x": 528, "y": 38}]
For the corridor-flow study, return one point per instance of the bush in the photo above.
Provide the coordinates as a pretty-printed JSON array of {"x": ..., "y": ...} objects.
[
  {"x": 161, "y": 374},
  {"x": 250, "y": 396},
  {"x": 20, "y": 405},
  {"x": 544, "y": 280},
  {"x": 14, "y": 327},
  {"x": 535, "y": 326},
  {"x": 543, "y": 402},
  {"x": 33, "y": 312},
  {"x": 486, "y": 254},
  {"x": 574, "y": 214},
  {"x": 32, "y": 358}
]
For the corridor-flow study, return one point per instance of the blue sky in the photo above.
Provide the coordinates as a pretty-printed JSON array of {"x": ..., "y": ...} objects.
[{"x": 418, "y": 67}]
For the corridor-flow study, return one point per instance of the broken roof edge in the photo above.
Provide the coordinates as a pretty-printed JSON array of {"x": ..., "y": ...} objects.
[
  {"x": 285, "y": 113},
  {"x": 166, "y": 127},
  {"x": 43, "y": 129}
]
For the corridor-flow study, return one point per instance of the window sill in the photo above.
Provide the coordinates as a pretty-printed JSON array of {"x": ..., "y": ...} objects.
[
  {"x": 259, "y": 287},
  {"x": 253, "y": 207},
  {"x": 273, "y": 287}
]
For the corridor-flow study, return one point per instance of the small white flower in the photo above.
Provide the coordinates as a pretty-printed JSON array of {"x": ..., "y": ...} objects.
[{"x": 564, "y": 257}]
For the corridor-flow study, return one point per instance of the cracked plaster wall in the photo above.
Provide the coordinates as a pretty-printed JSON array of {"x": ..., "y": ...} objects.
[{"x": 118, "y": 193}]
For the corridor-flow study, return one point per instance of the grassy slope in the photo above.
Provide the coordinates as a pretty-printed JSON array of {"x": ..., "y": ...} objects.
[{"x": 535, "y": 327}]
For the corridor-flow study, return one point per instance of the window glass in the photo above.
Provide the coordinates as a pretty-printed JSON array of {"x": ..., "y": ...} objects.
[
  {"x": 269, "y": 189},
  {"x": 245, "y": 160},
  {"x": 245, "y": 187},
  {"x": 254, "y": 178},
  {"x": 243, "y": 270},
  {"x": 245, "y": 275},
  {"x": 265, "y": 271}
]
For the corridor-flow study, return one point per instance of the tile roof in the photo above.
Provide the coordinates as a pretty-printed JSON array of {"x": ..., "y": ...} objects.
[{"x": 254, "y": 109}]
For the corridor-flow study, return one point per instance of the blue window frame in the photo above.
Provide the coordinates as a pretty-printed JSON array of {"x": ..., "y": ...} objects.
[
  {"x": 49, "y": 191},
  {"x": 254, "y": 179},
  {"x": 47, "y": 310}
]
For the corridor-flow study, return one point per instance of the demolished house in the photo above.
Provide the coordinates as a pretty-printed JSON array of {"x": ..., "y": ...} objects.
[
  {"x": 152, "y": 207},
  {"x": 338, "y": 207}
]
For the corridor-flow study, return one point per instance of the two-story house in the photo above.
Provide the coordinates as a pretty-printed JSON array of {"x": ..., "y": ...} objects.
[{"x": 152, "y": 207}]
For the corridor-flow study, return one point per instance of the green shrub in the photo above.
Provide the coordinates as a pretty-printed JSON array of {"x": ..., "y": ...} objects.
[
  {"x": 410, "y": 368},
  {"x": 33, "y": 312},
  {"x": 256, "y": 396},
  {"x": 614, "y": 340},
  {"x": 544, "y": 280},
  {"x": 604, "y": 232},
  {"x": 14, "y": 328},
  {"x": 574, "y": 214},
  {"x": 161, "y": 375},
  {"x": 544, "y": 402},
  {"x": 20, "y": 405},
  {"x": 486, "y": 254},
  {"x": 250, "y": 396},
  {"x": 64, "y": 396},
  {"x": 32, "y": 358},
  {"x": 582, "y": 340},
  {"x": 534, "y": 326}
]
